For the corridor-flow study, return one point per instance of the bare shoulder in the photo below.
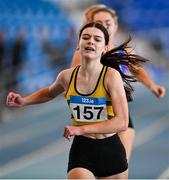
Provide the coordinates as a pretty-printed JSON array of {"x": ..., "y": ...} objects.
[
  {"x": 61, "y": 82},
  {"x": 113, "y": 83},
  {"x": 66, "y": 72},
  {"x": 65, "y": 75},
  {"x": 112, "y": 74},
  {"x": 112, "y": 79}
]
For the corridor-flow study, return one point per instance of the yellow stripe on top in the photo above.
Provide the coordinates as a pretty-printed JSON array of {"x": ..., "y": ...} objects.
[{"x": 91, "y": 108}]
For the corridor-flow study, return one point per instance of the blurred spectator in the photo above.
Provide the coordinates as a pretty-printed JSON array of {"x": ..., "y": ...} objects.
[
  {"x": 58, "y": 53},
  {"x": 159, "y": 48},
  {"x": 55, "y": 54},
  {"x": 2, "y": 50},
  {"x": 17, "y": 54},
  {"x": 2, "y": 80}
]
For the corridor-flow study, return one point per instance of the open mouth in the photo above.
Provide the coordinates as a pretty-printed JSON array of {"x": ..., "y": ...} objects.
[{"x": 89, "y": 49}]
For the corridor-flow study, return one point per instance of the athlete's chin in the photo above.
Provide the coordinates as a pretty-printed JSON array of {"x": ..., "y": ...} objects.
[{"x": 88, "y": 56}]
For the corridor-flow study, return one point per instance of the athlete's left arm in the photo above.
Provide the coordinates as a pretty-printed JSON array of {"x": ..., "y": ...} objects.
[{"x": 143, "y": 76}]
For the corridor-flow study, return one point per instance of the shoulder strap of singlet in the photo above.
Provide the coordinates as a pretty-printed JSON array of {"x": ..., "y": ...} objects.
[
  {"x": 104, "y": 72},
  {"x": 72, "y": 77},
  {"x": 102, "y": 76}
]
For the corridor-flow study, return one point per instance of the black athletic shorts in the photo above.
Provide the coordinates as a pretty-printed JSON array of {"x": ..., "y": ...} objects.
[{"x": 103, "y": 157}]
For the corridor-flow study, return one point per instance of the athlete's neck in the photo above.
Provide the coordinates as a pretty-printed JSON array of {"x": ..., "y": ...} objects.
[{"x": 89, "y": 71}]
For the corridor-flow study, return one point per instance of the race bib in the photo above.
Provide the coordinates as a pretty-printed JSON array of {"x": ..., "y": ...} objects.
[{"x": 88, "y": 109}]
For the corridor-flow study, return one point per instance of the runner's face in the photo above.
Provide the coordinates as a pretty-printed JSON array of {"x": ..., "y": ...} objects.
[
  {"x": 107, "y": 21},
  {"x": 92, "y": 43}
]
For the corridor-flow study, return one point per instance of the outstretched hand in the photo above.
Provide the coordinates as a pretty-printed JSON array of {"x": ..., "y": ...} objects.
[
  {"x": 70, "y": 131},
  {"x": 15, "y": 100},
  {"x": 159, "y": 91}
]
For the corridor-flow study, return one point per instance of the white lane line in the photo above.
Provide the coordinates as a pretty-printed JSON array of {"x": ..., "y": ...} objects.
[
  {"x": 26, "y": 133},
  {"x": 32, "y": 112},
  {"x": 165, "y": 174},
  {"x": 148, "y": 133},
  {"x": 151, "y": 131},
  {"x": 46, "y": 152}
]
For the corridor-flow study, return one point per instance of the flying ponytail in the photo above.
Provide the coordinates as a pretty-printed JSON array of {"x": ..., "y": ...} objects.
[{"x": 120, "y": 56}]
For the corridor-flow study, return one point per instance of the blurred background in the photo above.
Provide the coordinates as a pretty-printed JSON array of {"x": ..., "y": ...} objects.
[{"x": 37, "y": 41}]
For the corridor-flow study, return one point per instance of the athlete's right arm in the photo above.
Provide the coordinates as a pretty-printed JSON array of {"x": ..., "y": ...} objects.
[{"x": 42, "y": 95}]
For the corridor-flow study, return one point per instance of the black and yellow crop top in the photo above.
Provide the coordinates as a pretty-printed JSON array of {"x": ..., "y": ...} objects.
[{"x": 89, "y": 108}]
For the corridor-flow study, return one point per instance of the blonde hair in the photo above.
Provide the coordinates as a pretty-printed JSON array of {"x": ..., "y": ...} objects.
[
  {"x": 89, "y": 11},
  {"x": 96, "y": 8},
  {"x": 112, "y": 12}
]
